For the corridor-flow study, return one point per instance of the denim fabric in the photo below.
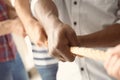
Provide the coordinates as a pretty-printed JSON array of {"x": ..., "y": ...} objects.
[
  {"x": 48, "y": 72},
  {"x": 13, "y": 70}
]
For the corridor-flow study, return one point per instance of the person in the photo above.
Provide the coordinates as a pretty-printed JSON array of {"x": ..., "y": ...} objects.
[
  {"x": 96, "y": 23},
  {"x": 112, "y": 64},
  {"x": 45, "y": 64},
  {"x": 11, "y": 66}
]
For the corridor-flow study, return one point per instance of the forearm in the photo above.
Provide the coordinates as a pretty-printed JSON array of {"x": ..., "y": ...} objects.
[
  {"x": 25, "y": 15},
  {"x": 5, "y": 27},
  {"x": 23, "y": 11},
  {"x": 105, "y": 38},
  {"x": 47, "y": 13}
]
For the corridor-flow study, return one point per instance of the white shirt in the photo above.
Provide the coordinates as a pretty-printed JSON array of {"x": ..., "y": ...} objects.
[
  {"x": 85, "y": 17},
  {"x": 89, "y": 15}
]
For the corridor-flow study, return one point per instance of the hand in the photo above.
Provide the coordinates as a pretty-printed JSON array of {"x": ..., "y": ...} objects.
[
  {"x": 32, "y": 27},
  {"x": 36, "y": 33},
  {"x": 112, "y": 63},
  {"x": 59, "y": 42},
  {"x": 60, "y": 36},
  {"x": 18, "y": 28}
]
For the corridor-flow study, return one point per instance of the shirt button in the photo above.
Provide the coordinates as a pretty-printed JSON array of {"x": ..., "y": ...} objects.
[
  {"x": 75, "y": 23},
  {"x": 75, "y": 2},
  {"x": 82, "y": 69}
]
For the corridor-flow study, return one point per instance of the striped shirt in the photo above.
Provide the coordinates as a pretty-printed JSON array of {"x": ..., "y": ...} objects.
[
  {"x": 7, "y": 46},
  {"x": 41, "y": 56}
]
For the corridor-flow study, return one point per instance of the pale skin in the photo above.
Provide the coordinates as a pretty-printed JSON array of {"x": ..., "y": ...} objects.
[
  {"x": 11, "y": 26},
  {"x": 112, "y": 63},
  {"x": 32, "y": 27}
]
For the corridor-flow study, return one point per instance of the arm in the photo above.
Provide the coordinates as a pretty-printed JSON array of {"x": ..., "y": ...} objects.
[
  {"x": 11, "y": 26},
  {"x": 60, "y": 36},
  {"x": 24, "y": 13},
  {"x": 107, "y": 37},
  {"x": 5, "y": 27},
  {"x": 31, "y": 25},
  {"x": 23, "y": 7}
]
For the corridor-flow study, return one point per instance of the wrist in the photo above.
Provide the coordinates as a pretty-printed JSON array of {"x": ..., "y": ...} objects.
[
  {"x": 79, "y": 41},
  {"x": 31, "y": 25},
  {"x": 82, "y": 41}
]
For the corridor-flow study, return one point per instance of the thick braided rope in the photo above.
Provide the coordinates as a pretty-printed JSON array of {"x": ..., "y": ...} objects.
[{"x": 89, "y": 52}]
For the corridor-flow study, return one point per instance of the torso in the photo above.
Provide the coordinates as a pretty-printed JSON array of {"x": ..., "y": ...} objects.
[{"x": 87, "y": 16}]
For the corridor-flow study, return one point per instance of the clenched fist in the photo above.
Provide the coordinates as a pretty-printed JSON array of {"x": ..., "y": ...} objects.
[{"x": 112, "y": 63}]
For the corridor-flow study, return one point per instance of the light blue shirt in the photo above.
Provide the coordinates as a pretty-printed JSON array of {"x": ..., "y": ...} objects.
[{"x": 85, "y": 17}]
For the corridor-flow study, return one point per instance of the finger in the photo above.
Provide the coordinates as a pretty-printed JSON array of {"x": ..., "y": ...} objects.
[
  {"x": 57, "y": 54},
  {"x": 112, "y": 52},
  {"x": 71, "y": 35},
  {"x": 108, "y": 58},
  {"x": 43, "y": 39},
  {"x": 116, "y": 69},
  {"x": 42, "y": 42},
  {"x": 63, "y": 55},
  {"x": 60, "y": 58},
  {"x": 66, "y": 54},
  {"x": 69, "y": 56},
  {"x": 111, "y": 64}
]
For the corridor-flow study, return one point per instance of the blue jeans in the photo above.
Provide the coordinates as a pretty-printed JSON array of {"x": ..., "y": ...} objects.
[
  {"x": 48, "y": 72},
  {"x": 13, "y": 70}
]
